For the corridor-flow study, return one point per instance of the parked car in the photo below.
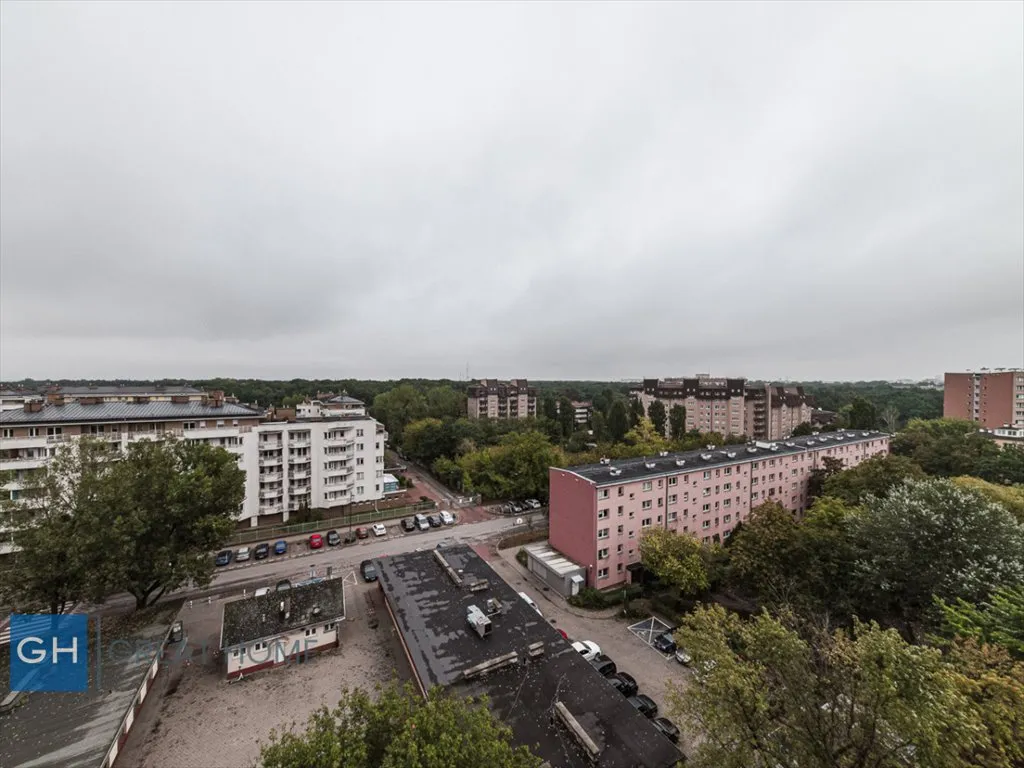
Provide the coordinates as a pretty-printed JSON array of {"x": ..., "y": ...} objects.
[
  {"x": 280, "y": 547},
  {"x": 533, "y": 504},
  {"x": 604, "y": 665},
  {"x": 408, "y": 525},
  {"x": 529, "y": 601},
  {"x": 223, "y": 557},
  {"x": 316, "y": 541},
  {"x": 333, "y": 538},
  {"x": 261, "y": 592},
  {"x": 624, "y": 684},
  {"x": 379, "y": 529},
  {"x": 447, "y": 517},
  {"x": 667, "y": 727},
  {"x": 283, "y": 586},
  {"x": 562, "y": 633},
  {"x": 261, "y": 551},
  {"x": 448, "y": 542},
  {"x": 421, "y": 522},
  {"x": 362, "y": 533},
  {"x": 665, "y": 642},
  {"x": 243, "y": 554},
  {"x": 350, "y": 537},
  {"x": 588, "y": 649},
  {"x": 644, "y": 705},
  {"x": 369, "y": 570},
  {"x": 434, "y": 521},
  {"x": 683, "y": 657},
  {"x": 516, "y": 507}
]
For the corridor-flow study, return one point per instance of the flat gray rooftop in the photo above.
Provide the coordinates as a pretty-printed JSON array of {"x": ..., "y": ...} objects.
[
  {"x": 636, "y": 468},
  {"x": 253, "y": 618},
  {"x": 430, "y": 610},
  {"x": 75, "y": 730},
  {"x": 161, "y": 410}
]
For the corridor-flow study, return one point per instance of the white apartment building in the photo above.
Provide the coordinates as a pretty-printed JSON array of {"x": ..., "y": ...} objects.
[{"x": 323, "y": 461}]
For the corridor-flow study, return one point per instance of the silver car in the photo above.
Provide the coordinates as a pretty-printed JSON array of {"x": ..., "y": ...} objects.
[{"x": 242, "y": 554}]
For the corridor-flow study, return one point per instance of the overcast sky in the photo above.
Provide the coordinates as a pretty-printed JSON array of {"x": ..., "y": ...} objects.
[{"x": 805, "y": 191}]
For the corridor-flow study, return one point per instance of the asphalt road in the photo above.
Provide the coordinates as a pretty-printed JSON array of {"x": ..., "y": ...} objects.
[{"x": 297, "y": 564}]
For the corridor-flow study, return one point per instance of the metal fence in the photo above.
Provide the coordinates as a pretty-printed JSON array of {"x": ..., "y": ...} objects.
[{"x": 297, "y": 529}]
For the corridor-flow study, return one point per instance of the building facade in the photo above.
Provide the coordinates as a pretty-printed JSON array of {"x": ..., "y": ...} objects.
[
  {"x": 598, "y": 512},
  {"x": 493, "y": 399},
  {"x": 326, "y": 461},
  {"x": 993, "y": 398},
  {"x": 731, "y": 407}
]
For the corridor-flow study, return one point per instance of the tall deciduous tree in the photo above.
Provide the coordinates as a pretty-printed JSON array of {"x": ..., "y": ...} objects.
[
  {"x": 550, "y": 408},
  {"x": 618, "y": 421},
  {"x": 803, "y": 429},
  {"x": 875, "y": 476},
  {"x": 398, "y": 730},
  {"x": 636, "y": 411},
  {"x": 767, "y": 555},
  {"x": 566, "y": 417},
  {"x": 999, "y": 620},
  {"x": 830, "y": 466},
  {"x": 398, "y": 407},
  {"x": 1010, "y": 496},
  {"x": 863, "y": 414},
  {"x": 645, "y": 438},
  {"x": 676, "y": 559},
  {"x": 658, "y": 416},
  {"x": 51, "y": 567},
  {"x": 890, "y": 418},
  {"x": 677, "y": 422},
  {"x": 516, "y": 468},
  {"x": 944, "y": 447},
  {"x": 599, "y": 426},
  {"x": 935, "y": 538},
  {"x": 164, "y": 507},
  {"x": 444, "y": 402},
  {"x": 765, "y": 696}
]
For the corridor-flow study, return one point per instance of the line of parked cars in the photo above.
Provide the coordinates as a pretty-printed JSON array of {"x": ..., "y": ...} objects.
[
  {"x": 626, "y": 684},
  {"x": 515, "y": 507},
  {"x": 423, "y": 522},
  {"x": 316, "y": 541}
]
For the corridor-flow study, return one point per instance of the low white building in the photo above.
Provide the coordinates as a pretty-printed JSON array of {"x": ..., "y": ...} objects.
[
  {"x": 329, "y": 460},
  {"x": 281, "y": 627}
]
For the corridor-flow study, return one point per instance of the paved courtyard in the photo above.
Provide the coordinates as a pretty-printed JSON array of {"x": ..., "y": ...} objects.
[{"x": 207, "y": 722}]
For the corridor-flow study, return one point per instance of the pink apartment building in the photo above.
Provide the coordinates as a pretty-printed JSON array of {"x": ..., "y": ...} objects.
[{"x": 598, "y": 512}]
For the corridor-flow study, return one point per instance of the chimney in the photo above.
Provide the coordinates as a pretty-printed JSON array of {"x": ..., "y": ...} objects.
[
  {"x": 33, "y": 406},
  {"x": 179, "y": 398},
  {"x": 57, "y": 400}
]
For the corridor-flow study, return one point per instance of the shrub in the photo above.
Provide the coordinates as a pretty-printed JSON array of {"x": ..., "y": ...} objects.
[
  {"x": 589, "y": 597},
  {"x": 521, "y": 557}
]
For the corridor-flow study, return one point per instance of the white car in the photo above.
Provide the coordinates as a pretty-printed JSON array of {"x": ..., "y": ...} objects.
[
  {"x": 529, "y": 601},
  {"x": 379, "y": 529},
  {"x": 262, "y": 591},
  {"x": 447, "y": 518},
  {"x": 588, "y": 649},
  {"x": 242, "y": 555}
]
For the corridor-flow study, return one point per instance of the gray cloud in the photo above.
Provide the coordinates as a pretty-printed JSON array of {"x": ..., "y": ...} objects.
[{"x": 572, "y": 190}]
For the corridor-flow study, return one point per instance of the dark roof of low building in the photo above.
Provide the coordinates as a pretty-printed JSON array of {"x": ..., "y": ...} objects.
[
  {"x": 76, "y": 730},
  {"x": 252, "y": 618},
  {"x": 74, "y": 412},
  {"x": 430, "y": 611},
  {"x": 79, "y": 390},
  {"x": 344, "y": 399},
  {"x": 637, "y": 468}
]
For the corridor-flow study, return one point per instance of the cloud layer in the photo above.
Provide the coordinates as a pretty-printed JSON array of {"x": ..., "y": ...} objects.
[{"x": 554, "y": 191}]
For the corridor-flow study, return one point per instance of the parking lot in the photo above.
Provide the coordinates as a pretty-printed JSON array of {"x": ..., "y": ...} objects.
[{"x": 655, "y": 673}]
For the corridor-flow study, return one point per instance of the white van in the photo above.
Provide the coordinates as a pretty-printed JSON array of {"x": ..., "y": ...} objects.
[
  {"x": 422, "y": 523},
  {"x": 529, "y": 602}
]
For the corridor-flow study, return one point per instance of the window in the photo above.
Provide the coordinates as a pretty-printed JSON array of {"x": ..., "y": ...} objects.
[
  {"x": 8, "y": 433},
  {"x": 359, "y": 475},
  {"x": 706, "y": 508},
  {"x": 602, "y": 554},
  {"x": 602, "y": 514},
  {"x": 602, "y": 533},
  {"x": 673, "y": 480},
  {"x": 705, "y": 524},
  {"x": 648, "y": 485},
  {"x": 359, "y": 461},
  {"x": 602, "y": 573},
  {"x": 259, "y": 646},
  {"x": 620, "y": 510},
  {"x": 728, "y": 470},
  {"x": 661, "y": 502},
  {"x": 661, "y": 483},
  {"x": 631, "y": 513},
  {"x": 672, "y": 498},
  {"x": 754, "y": 465},
  {"x": 671, "y": 515},
  {"x": 359, "y": 433},
  {"x": 707, "y": 474},
  {"x": 619, "y": 567},
  {"x": 619, "y": 530},
  {"x": 646, "y": 504},
  {"x": 33, "y": 431},
  {"x": 727, "y": 519},
  {"x": 360, "y": 446},
  {"x": 310, "y": 631},
  {"x": 602, "y": 493},
  {"x": 621, "y": 490},
  {"x": 727, "y": 487},
  {"x": 706, "y": 493},
  {"x": 645, "y": 523},
  {"x": 618, "y": 548},
  {"x": 56, "y": 431},
  {"x": 359, "y": 489},
  {"x": 727, "y": 503},
  {"x": 329, "y": 627}
]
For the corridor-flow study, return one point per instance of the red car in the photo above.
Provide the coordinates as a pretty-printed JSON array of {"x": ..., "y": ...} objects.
[
  {"x": 316, "y": 541},
  {"x": 362, "y": 533}
]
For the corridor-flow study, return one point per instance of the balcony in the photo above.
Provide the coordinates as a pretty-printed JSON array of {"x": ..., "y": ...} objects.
[
  {"x": 270, "y": 445},
  {"x": 271, "y": 477},
  {"x": 299, "y": 474},
  {"x": 299, "y": 490},
  {"x": 299, "y": 459},
  {"x": 271, "y": 509},
  {"x": 302, "y": 442},
  {"x": 271, "y": 461},
  {"x": 338, "y": 472},
  {"x": 271, "y": 493}
]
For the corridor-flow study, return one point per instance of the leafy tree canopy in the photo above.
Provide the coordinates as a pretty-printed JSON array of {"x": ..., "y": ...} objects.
[
  {"x": 676, "y": 559},
  {"x": 999, "y": 620},
  {"x": 875, "y": 476}
]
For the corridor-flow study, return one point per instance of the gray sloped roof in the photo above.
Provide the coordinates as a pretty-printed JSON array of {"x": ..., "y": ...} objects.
[{"x": 74, "y": 412}]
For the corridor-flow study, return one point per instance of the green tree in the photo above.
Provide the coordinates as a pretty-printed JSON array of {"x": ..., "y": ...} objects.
[
  {"x": 874, "y": 476},
  {"x": 863, "y": 415},
  {"x": 168, "y": 505},
  {"x": 802, "y": 430},
  {"x": 51, "y": 568},
  {"x": 445, "y": 402},
  {"x": 398, "y": 730},
  {"x": 677, "y": 422},
  {"x": 398, "y": 407},
  {"x": 550, "y": 408},
  {"x": 766, "y": 556},
  {"x": 1011, "y": 497},
  {"x": 658, "y": 416},
  {"x": 676, "y": 559},
  {"x": 830, "y": 466},
  {"x": 618, "y": 421},
  {"x": 930, "y": 538},
  {"x": 599, "y": 426},
  {"x": 1005, "y": 467},
  {"x": 765, "y": 696},
  {"x": 944, "y": 447},
  {"x": 566, "y": 417},
  {"x": 516, "y": 468},
  {"x": 426, "y": 439},
  {"x": 636, "y": 411},
  {"x": 890, "y": 418},
  {"x": 999, "y": 620},
  {"x": 645, "y": 438}
]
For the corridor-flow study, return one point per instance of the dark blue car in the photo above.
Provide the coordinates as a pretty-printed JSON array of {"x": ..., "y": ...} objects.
[
  {"x": 223, "y": 557},
  {"x": 280, "y": 547}
]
